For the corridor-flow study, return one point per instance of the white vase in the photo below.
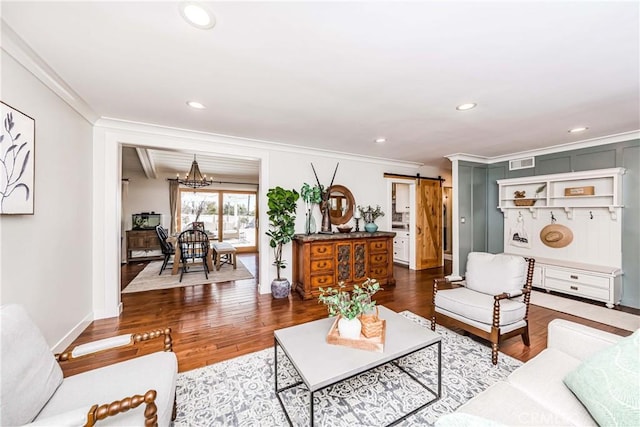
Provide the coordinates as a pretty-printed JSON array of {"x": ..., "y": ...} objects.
[{"x": 349, "y": 328}]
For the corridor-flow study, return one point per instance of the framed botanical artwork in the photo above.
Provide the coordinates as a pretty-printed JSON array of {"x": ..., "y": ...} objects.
[{"x": 17, "y": 146}]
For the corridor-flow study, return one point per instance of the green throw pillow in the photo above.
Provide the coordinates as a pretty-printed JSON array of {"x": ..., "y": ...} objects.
[{"x": 608, "y": 383}]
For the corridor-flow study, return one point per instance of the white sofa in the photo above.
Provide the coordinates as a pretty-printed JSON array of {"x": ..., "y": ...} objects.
[{"x": 535, "y": 394}]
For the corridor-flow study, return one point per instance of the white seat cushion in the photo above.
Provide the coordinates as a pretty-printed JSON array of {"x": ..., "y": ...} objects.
[
  {"x": 541, "y": 378},
  {"x": 479, "y": 306},
  {"x": 504, "y": 403},
  {"x": 30, "y": 373},
  {"x": 494, "y": 274},
  {"x": 157, "y": 371}
]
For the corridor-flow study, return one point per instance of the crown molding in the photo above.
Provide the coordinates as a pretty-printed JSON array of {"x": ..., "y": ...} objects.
[
  {"x": 19, "y": 50},
  {"x": 593, "y": 142},
  {"x": 172, "y": 132}
]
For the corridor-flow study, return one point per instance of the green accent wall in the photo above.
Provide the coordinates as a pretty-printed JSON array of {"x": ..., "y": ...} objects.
[
  {"x": 472, "y": 206},
  {"x": 488, "y": 225}
]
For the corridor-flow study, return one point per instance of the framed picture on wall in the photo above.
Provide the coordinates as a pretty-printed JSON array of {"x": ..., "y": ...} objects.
[{"x": 17, "y": 146}]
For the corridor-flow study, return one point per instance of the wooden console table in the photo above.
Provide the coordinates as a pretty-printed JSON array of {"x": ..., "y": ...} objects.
[
  {"x": 323, "y": 260},
  {"x": 143, "y": 240}
]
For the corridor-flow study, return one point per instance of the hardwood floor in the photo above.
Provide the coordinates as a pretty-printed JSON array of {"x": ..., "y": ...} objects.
[{"x": 219, "y": 321}]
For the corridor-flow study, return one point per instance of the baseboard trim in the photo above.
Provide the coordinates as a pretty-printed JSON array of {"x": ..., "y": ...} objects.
[{"x": 74, "y": 333}]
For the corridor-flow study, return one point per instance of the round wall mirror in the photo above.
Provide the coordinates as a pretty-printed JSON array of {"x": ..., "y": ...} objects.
[{"x": 341, "y": 204}]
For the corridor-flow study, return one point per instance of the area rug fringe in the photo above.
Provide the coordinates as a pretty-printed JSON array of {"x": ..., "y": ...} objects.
[{"x": 240, "y": 391}]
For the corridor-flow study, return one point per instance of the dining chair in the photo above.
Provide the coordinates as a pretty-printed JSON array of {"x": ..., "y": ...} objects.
[
  {"x": 194, "y": 244},
  {"x": 167, "y": 247},
  {"x": 197, "y": 225}
]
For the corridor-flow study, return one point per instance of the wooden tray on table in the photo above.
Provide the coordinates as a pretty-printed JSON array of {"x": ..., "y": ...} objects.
[{"x": 363, "y": 343}]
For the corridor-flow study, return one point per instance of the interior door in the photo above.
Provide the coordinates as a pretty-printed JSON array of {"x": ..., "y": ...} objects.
[{"x": 428, "y": 224}]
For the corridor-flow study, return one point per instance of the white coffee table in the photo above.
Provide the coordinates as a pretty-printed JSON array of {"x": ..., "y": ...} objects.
[{"x": 321, "y": 365}]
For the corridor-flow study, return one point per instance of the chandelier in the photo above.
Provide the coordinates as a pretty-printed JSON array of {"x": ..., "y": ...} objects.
[{"x": 194, "y": 178}]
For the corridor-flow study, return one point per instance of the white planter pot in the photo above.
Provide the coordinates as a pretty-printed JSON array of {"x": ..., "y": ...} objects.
[{"x": 349, "y": 328}]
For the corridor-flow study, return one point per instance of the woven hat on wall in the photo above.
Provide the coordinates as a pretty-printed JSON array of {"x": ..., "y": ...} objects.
[{"x": 556, "y": 235}]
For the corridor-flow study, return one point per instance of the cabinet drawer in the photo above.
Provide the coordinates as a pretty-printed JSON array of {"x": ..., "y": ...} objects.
[
  {"x": 321, "y": 265},
  {"x": 378, "y": 246},
  {"x": 322, "y": 280},
  {"x": 577, "y": 278},
  {"x": 575, "y": 288},
  {"x": 378, "y": 272},
  {"x": 322, "y": 251},
  {"x": 537, "y": 277},
  {"x": 377, "y": 259}
]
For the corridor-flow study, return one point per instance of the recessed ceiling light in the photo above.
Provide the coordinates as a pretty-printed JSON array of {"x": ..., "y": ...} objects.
[
  {"x": 467, "y": 106},
  {"x": 196, "y": 105},
  {"x": 578, "y": 129},
  {"x": 197, "y": 15},
  {"x": 380, "y": 140}
]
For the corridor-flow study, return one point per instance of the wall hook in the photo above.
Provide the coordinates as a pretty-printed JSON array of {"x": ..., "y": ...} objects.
[
  {"x": 590, "y": 214},
  {"x": 553, "y": 218}
]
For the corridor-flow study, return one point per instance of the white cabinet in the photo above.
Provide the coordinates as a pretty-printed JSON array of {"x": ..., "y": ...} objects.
[
  {"x": 402, "y": 198},
  {"x": 584, "y": 280},
  {"x": 401, "y": 247},
  {"x": 593, "y": 189}
]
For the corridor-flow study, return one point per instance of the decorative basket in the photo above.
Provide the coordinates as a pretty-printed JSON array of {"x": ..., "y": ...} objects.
[
  {"x": 371, "y": 324},
  {"x": 524, "y": 202}
]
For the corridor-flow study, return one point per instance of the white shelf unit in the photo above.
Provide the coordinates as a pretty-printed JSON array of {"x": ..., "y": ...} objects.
[
  {"x": 606, "y": 183},
  {"x": 591, "y": 266}
]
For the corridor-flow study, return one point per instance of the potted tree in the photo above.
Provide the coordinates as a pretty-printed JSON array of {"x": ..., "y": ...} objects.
[{"x": 282, "y": 209}]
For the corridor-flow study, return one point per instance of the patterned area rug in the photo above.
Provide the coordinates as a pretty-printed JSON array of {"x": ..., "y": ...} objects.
[
  {"x": 149, "y": 280},
  {"x": 240, "y": 391}
]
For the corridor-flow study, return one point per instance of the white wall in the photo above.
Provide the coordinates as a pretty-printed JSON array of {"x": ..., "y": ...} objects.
[
  {"x": 46, "y": 259},
  {"x": 279, "y": 165}
]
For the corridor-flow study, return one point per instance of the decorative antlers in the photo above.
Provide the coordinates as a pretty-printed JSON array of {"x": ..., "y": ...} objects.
[{"x": 325, "y": 194}]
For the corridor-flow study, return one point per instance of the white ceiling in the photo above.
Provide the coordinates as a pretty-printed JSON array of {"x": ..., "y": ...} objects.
[
  {"x": 336, "y": 75},
  {"x": 159, "y": 163}
]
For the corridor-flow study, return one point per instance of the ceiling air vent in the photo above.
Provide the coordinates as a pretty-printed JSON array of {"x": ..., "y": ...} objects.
[{"x": 526, "y": 163}]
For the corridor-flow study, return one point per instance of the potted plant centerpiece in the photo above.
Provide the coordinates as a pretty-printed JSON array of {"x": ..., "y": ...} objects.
[
  {"x": 349, "y": 305},
  {"x": 311, "y": 196},
  {"x": 370, "y": 215},
  {"x": 282, "y": 209}
]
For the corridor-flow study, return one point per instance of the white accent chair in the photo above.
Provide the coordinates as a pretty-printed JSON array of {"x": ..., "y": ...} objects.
[
  {"x": 136, "y": 392},
  {"x": 492, "y": 302}
]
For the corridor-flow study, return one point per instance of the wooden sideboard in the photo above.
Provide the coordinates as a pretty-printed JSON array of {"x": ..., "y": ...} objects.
[
  {"x": 143, "y": 240},
  {"x": 323, "y": 260}
]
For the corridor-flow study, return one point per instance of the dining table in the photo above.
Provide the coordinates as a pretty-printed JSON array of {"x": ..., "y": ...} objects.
[{"x": 176, "y": 259}]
